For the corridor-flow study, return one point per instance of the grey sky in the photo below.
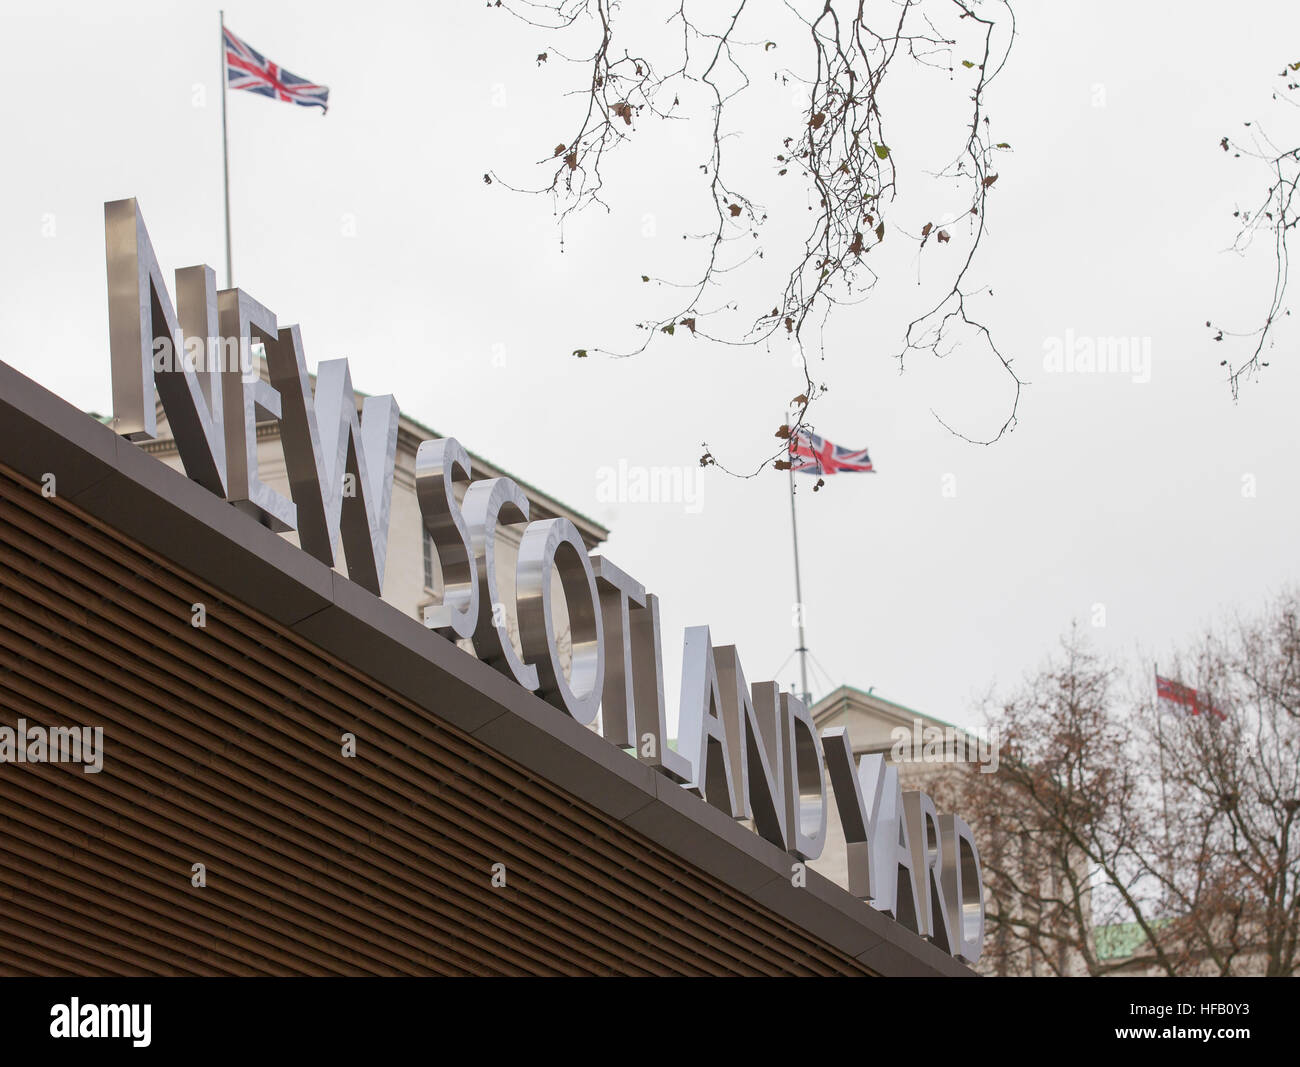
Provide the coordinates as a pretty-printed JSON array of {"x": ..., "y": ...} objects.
[{"x": 1109, "y": 220}]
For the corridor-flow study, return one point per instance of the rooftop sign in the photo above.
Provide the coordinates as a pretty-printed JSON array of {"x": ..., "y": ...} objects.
[{"x": 751, "y": 751}]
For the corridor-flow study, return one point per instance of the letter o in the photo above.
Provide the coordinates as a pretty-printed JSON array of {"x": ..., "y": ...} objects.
[{"x": 554, "y": 546}]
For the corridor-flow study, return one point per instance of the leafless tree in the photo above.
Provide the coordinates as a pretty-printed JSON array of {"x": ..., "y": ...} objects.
[
  {"x": 844, "y": 54},
  {"x": 1232, "y": 772},
  {"x": 1062, "y": 821},
  {"x": 1180, "y": 822}
]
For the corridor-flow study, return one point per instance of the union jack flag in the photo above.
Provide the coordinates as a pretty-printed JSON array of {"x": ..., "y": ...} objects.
[
  {"x": 248, "y": 69},
  {"x": 810, "y": 454}
]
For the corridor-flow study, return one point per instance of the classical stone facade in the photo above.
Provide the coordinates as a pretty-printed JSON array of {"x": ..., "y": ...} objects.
[{"x": 872, "y": 722}]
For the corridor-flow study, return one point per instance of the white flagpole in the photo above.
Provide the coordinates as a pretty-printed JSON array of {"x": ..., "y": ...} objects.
[
  {"x": 225, "y": 150},
  {"x": 798, "y": 585}
]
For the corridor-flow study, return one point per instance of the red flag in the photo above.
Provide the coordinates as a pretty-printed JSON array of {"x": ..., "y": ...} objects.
[{"x": 1185, "y": 697}]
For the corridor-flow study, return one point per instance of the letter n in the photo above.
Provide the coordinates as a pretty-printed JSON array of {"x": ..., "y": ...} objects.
[{"x": 140, "y": 313}]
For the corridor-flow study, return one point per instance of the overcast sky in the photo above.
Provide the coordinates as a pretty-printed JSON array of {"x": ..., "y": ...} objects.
[{"x": 372, "y": 227}]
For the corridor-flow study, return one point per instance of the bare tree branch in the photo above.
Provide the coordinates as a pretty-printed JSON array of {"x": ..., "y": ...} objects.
[
  {"x": 838, "y": 147},
  {"x": 1274, "y": 215}
]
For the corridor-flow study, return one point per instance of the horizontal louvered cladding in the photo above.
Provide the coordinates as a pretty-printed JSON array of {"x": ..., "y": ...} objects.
[{"x": 222, "y": 747}]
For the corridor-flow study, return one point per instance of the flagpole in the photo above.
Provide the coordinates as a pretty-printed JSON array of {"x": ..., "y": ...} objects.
[
  {"x": 798, "y": 585},
  {"x": 1160, "y": 744},
  {"x": 225, "y": 149}
]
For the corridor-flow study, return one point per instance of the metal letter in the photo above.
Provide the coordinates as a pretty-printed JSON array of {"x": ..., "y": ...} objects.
[
  {"x": 648, "y": 692},
  {"x": 771, "y": 736},
  {"x": 140, "y": 315},
  {"x": 484, "y": 503},
  {"x": 858, "y": 812},
  {"x": 554, "y": 546},
  {"x": 246, "y": 396},
  {"x": 436, "y": 464},
  {"x": 619, "y": 592},
  {"x": 300, "y": 437},
  {"x": 193, "y": 397},
  {"x": 702, "y": 726},
  {"x": 891, "y": 848},
  {"x": 762, "y": 796},
  {"x": 365, "y": 448},
  {"x": 805, "y": 780},
  {"x": 963, "y": 887},
  {"x": 928, "y": 868}
]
